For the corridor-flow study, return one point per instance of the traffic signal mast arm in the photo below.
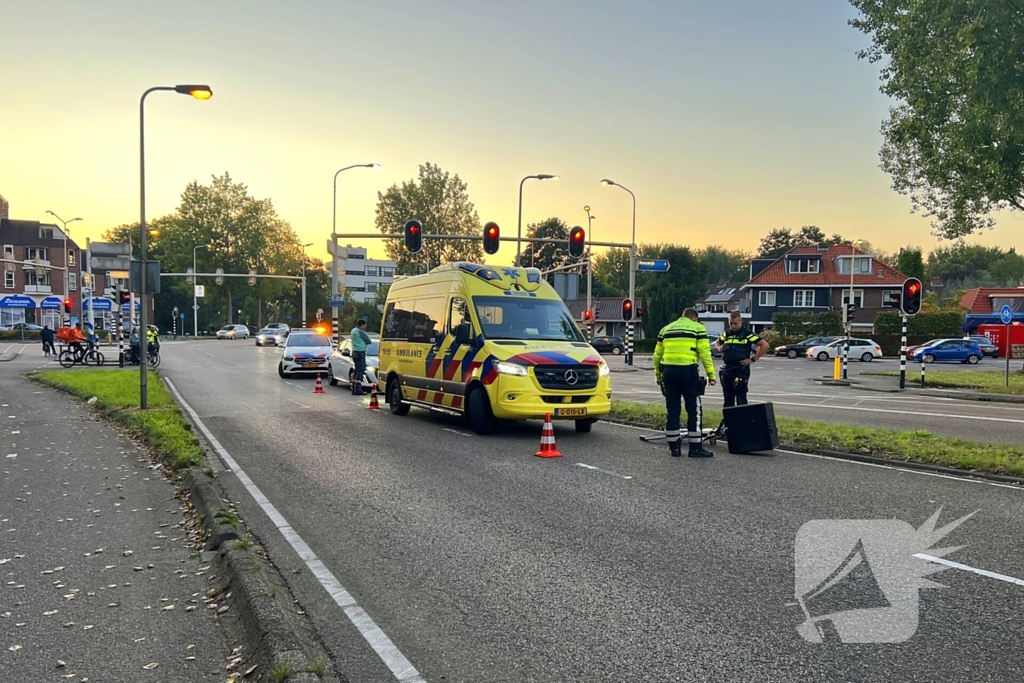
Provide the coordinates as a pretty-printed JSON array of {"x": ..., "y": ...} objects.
[{"x": 426, "y": 235}]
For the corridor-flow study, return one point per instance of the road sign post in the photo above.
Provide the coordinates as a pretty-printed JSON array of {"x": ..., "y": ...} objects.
[
  {"x": 903, "y": 354},
  {"x": 1006, "y": 315}
]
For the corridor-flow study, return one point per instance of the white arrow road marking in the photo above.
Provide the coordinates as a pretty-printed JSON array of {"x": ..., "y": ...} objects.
[
  {"x": 598, "y": 469},
  {"x": 975, "y": 570}
]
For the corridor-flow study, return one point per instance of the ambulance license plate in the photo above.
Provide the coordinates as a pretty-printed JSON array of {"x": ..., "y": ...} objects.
[{"x": 570, "y": 412}]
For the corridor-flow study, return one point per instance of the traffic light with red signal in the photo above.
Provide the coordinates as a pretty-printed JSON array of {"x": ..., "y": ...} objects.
[
  {"x": 492, "y": 237},
  {"x": 627, "y": 309},
  {"x": 910, "y": 302},
  {"x": 67, "y": 304},
  {"x": 413, "y": 236},
  {"x": 588, "y": 316},
  {"x": 577, "y": 240}
]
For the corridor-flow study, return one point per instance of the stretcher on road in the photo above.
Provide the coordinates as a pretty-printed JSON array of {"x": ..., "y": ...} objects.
[{"x": 709, "y": 436}]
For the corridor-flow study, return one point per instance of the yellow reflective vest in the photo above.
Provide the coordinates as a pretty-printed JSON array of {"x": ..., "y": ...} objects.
[{"x": 683, "y": 342}]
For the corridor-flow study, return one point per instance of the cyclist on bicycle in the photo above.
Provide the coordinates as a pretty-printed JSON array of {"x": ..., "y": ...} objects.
[
  {"x": 152, "y": 340},
  {"x": 134, "y": 342}
]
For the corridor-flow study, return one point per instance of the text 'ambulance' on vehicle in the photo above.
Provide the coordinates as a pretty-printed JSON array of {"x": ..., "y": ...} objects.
[{"x": 491, "y": 343}]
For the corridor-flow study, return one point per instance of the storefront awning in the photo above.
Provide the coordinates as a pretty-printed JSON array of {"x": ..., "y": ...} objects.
[{"x": 17, "y": 301}]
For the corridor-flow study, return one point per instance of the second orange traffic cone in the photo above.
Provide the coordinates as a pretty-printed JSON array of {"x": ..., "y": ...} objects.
[
  {"x": 373, "y": 398},
  {"x": 548, "y": 449},
  {"x": 319, "y": 385}
]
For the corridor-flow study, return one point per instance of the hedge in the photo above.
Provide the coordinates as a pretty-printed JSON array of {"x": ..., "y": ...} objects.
[{"x": 941, "y": 324}]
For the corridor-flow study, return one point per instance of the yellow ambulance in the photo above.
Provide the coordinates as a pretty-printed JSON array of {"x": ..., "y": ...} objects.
[{"x": 489, "y": 343}]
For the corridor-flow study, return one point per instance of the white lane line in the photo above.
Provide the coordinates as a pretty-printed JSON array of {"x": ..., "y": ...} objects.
[
  {"x": 301, "y": 404},
  {"x": 963, "y": 479},
  {"x": 598, "y": 469},
  {"x": 455, "y": 431},
  {"x": 400, "y": 667},
  {"x": 908, "y": 412},
  {"x": 967, "y": 568}
]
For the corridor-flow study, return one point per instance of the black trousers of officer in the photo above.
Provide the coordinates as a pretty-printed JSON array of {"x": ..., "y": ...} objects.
[
  {"x": 734, "y": 385},
  {"x": 682, "y": 385}
]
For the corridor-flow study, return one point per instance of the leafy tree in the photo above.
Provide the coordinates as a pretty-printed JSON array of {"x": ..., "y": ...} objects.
[
  {"x": 910, "y": 262},
  {"x": 441, "y": 203},
  {"x": 546, "y": 255},
  {"x": 1008, "y": 271},
  {"x": 780, "y": 240},
  {"x": 955, "y": 141},
  {"x": 612, "y": 269},
  {"x": 722, "y": 264},
  {"x": 667, "y": 294}
]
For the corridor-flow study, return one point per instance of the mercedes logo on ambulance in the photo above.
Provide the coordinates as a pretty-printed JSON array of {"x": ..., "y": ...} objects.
[{"x": 571, "y": 377}]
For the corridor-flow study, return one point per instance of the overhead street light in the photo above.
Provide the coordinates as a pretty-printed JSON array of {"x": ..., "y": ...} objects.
[
  {"x": 67, "y": 268},
  {"x": 519, "y": 228},
  {"x": 334, "y": 242},
  {"x": 308, "y": 244},
  {"x": 632, "y": 254},
  {"x": 200, "y": 92}
]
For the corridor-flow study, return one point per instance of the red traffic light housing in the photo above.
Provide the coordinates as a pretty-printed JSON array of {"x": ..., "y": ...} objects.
[
  {"x": 587, "y": 315},
  {"x": 627, "y": 309},
  {"x": 577, "y": 240},
  {"x": 639, "y": 312},
  {"x": 67, "y": 305},
  {"x": 413, "y": 236},
  {"x": 910, "y": 302},
  {"x": 492, "y": 237}
]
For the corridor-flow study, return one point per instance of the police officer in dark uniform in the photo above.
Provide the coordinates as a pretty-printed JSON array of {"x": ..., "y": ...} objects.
[{"x": 739, "y": 347}]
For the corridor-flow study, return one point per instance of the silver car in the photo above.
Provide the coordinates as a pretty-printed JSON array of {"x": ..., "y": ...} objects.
[
  {"x": 270, "y": 336},
  {"x": 343, "y": 369},
  {"x": 233, "y": 332}
]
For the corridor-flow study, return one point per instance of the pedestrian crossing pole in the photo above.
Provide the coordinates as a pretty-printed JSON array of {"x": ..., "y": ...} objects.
[
  {"x": 629, "y": 343},
  {"x": 922, "y": 370},
  {"x": 119, "y": 318},
  {"x": 903, "y": 354}
]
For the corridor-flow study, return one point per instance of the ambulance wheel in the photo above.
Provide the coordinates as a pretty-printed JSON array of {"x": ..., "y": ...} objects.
[
  {"x": 478, "y": 409},
  {"x": 584, "y": 426},
  {"x": 395, "y": 398}
]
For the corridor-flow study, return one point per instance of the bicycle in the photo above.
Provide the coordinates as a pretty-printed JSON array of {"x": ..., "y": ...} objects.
[
  {"x": 70, "y": 356},
  {"x": 153, "y": 357}
]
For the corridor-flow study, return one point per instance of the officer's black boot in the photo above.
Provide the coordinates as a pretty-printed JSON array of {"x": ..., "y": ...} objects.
[
  {"x": 676, "y": 448},
  {"x": 697, "y": 451}
]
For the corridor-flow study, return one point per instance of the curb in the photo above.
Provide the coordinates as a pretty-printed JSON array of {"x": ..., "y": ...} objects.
[
  {"x": 872, "y": 459},
  {"x": 261, "y": 604}
]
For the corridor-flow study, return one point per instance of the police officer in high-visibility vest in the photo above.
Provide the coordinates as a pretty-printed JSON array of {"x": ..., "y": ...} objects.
[
  {"x": 739, "y": 347},
  {"x": 681, "y": 345}
]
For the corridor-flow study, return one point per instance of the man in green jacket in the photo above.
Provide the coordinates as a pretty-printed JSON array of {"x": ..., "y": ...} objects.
[{"x": 681, "y": 344}]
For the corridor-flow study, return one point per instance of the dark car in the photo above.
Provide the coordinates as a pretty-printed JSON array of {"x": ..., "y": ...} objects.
[
  {"x": 986, "y": 345},
  {"x": 612, "y": 345},
  {"x": 799, "y": 349}
]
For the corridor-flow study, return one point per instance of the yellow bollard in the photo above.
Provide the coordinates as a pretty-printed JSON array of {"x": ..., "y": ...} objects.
[{"x": 837, "y": 368}]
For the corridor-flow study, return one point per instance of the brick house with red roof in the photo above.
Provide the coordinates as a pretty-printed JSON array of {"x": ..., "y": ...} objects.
[
  {"x": 815, "y": 279},
  {"x": 982, "y": 305}
]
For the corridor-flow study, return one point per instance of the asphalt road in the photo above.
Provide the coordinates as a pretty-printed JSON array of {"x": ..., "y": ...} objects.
[
  {"x": 482, "y": 563},
  {"x": 788, "y": 385}
]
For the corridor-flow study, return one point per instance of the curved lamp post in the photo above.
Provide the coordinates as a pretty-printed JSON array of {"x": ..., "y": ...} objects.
[
  {"x": 519, "y": 228},
  {"x": 199, "y": 92}
]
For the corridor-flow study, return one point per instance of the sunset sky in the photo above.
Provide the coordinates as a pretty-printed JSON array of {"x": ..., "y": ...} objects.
[{"x": 726, "y": 118}]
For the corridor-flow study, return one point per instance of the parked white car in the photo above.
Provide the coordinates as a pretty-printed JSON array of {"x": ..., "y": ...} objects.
[
  {"x": 233, "y": 332},
  {"x": 342, "y": 368},
  {"x": 864, "y": 350}
]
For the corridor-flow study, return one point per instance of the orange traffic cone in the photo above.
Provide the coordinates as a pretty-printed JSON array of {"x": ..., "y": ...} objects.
[
  {"x": 373, "y": 398},
  {"x": 319, "y": 385},
  {"x": 548, "y": 449}
]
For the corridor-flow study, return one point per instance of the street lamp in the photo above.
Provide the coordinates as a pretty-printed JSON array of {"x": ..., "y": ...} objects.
[
  {"x": 334, "y": 244},
  {"x": 519, "y": 230},
  {"x": 195, "y": 296},
  {"x": 67, "y": 269},
  {"x": 199, "y": 92},
  {"x": 590, "y": 219},
  {"x": 849, "y": 322},
  {"x": 308, "y": 244},
  {"x": 632, "y": 259}
]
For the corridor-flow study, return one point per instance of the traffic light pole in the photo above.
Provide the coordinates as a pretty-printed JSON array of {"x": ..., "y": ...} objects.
[{"x": 903, "y": 354}]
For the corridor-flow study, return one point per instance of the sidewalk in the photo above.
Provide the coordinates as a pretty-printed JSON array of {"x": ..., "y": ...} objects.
[{"x": 99, "y": 579}]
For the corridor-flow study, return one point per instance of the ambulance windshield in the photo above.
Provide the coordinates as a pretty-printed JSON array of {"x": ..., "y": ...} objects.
[{"x": 526, "y": 318}]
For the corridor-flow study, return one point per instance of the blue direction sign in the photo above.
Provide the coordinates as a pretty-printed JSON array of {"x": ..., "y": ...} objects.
[
  {"x": 657, "y": 266},
  {"x": 337, "y": 302},
  {"x": 1006, "y": 314}
]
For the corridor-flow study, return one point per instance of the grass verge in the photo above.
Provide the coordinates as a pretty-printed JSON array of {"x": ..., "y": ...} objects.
[
  {"x": 981, "y": 380},
  {"x": 161, "y": 427},
  {"x": 917, "y": 446}
]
